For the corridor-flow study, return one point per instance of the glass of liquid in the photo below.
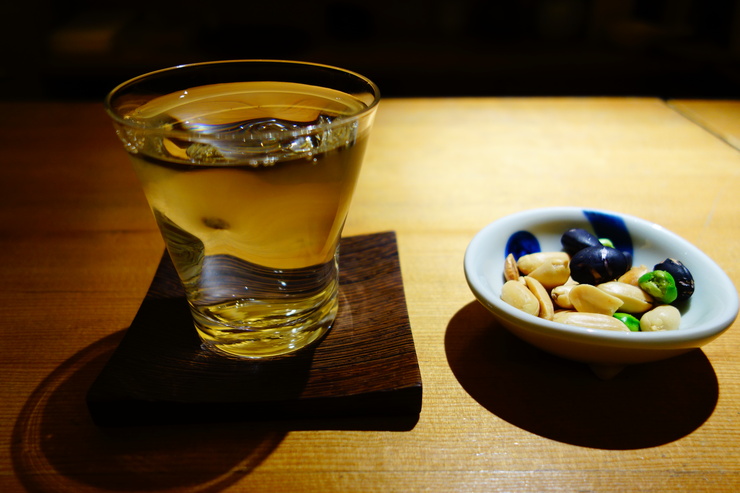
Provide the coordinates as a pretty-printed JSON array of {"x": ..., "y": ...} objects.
[{"x": 249, "y": 168}]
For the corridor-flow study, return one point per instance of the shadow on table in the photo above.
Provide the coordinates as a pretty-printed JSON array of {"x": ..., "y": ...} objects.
[
  {"x": 54, "y": 433},
  {"x": 644, "y": 406},
  {"x": 57, "y": 447}
]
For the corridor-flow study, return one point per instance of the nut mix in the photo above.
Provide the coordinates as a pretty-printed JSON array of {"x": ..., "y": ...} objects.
[{"x": 591, "y": 284}]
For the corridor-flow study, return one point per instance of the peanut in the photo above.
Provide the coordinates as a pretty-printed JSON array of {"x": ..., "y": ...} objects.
[
  {"x": 632, "y": 275},
  {"x": 511, "y": 272},
  {"x": 635, "y": 299},
  {"x": 539, "y": 291},
  {"x": 590, "y": 321},
  {"x": 519, "y": 296},
  {"x": 588, "y": 298},
  {"x": 551, "y": 273},
  {"x": 561, "y": 296},
  {"x": 663, "y": 317},
  {"x": 528, "y": 263}
]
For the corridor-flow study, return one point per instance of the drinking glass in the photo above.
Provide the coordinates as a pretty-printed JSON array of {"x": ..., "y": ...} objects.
[{"x": 249, "y": 167}]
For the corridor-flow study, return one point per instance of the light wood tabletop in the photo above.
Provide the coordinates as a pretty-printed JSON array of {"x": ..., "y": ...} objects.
[
  {"x": 720, "y": 117},
  {"x": 80, "y": 248}
]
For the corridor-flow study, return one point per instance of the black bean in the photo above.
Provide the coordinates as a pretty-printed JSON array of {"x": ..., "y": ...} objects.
[
  {"x": 576, "y": 239},
  {"x": 597, "y": 264}
]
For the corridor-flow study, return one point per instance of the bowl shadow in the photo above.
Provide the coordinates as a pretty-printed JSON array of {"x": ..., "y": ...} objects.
[{"x": 644, "y": 406}]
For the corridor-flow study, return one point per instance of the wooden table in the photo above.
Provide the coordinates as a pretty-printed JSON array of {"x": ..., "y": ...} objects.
[
  {"x": 80, "y": 248},
  {"x": 722, "y": 118}
]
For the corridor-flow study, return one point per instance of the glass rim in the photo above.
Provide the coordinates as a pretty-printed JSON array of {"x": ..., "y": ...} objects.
[{"x": 373, "y": 90}]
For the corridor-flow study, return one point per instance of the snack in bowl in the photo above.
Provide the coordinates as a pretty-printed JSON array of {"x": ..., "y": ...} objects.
[
  {"x": 590, "y": 281},
  {"x": 710, "y": 310}
]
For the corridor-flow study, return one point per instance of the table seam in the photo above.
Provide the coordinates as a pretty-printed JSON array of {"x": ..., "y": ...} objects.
[{"x": 699, "y": 122}]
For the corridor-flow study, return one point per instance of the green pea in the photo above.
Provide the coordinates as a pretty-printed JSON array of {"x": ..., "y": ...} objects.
[
  {"x": 606, "y": 242},
  {"x": 660, "y": 285},
  {"x": 632, "y": 323}
]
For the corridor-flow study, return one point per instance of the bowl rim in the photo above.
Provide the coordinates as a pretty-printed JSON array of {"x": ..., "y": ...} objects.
[{"x": 689, "y": 337}]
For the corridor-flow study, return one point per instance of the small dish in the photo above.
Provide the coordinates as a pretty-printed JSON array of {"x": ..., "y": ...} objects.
[{"x": 705, "y": 316}]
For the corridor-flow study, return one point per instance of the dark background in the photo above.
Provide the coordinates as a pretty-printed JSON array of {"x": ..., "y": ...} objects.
[{"x": 669, "y": 49}]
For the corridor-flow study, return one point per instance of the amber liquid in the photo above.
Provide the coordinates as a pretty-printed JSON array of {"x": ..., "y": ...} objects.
[{"x": 252, "y": 225}]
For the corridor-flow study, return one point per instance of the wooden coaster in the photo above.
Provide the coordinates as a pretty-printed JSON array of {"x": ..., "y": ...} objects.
[{"x": 365, "y": 366}]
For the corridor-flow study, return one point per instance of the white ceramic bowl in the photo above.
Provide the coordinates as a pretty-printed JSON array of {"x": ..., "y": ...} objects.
[{"x": 707, "y": 314}]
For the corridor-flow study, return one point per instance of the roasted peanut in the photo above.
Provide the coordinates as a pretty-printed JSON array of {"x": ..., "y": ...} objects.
[
  {"x": 635, "y": 299},
  {"x": 511, "y": 272},
  {"x": 632, "y": 275},
  {"x": 528, "y": 263},
  {"x": 561, "y": 295},
  {"x": 539, "y": 291},
  {"x": 590, "y": 321},
  {"x": 588, "y": 298},
  {"x": 519, "y": 296},
  {"x": 551, "y": 273},
  {"x": 663, "y": 317}
]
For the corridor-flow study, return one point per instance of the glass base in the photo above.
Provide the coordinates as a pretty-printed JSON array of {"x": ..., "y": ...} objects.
[{"x": 267, "y": 342}]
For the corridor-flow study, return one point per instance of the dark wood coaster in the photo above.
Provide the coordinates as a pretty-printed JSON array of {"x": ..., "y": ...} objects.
[{"x": 365, "y": 366}]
